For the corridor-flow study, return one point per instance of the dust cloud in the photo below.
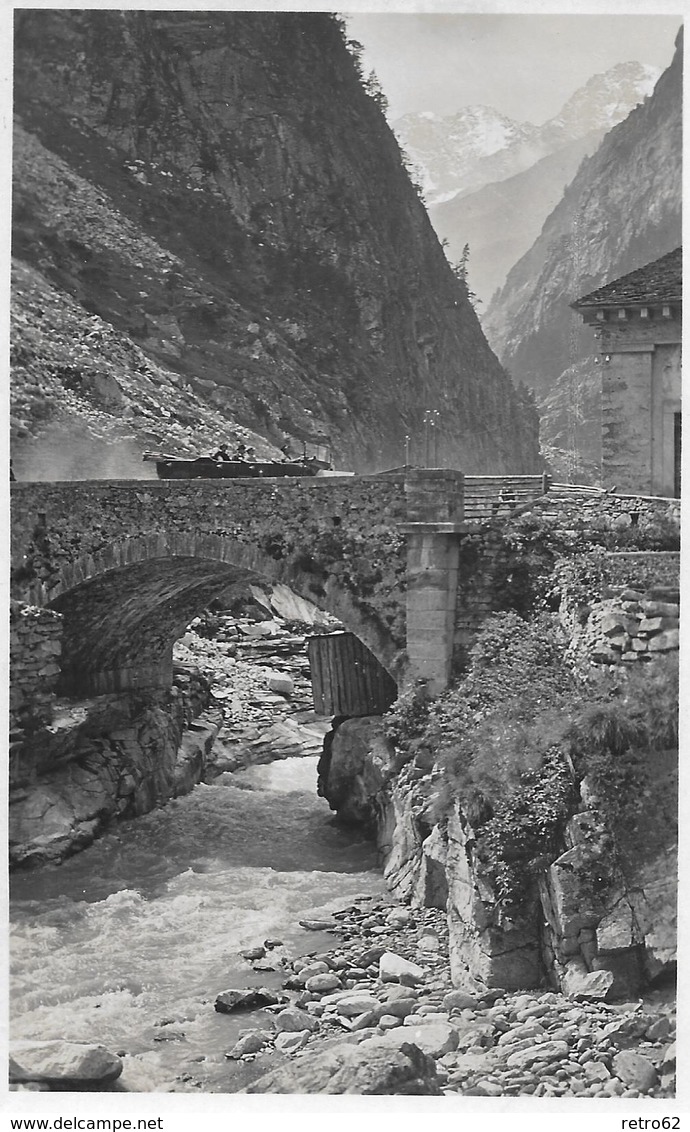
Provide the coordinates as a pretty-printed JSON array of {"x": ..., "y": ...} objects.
[{"x": 71, "y": 452}]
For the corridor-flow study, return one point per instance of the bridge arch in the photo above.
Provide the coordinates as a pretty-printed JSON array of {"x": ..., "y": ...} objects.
[{"x": 125, "y": 604}]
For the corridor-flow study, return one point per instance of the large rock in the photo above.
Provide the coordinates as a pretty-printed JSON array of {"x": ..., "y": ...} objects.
[
  {"x": 360, "y": 766},
  {"x": 245, "y": 999},
  {"x": 537, "y": 1051},
  {"x": 617, "y": 929},
  {"x": 248, "y": 1044},
  {"x": 351, "y": 1005},
  {"x": 368, "y": 1070},
  {"x": 399, "y": 841},
  {"x": 394, "y": 969},
  {"x": 635, "y": 1070},
  {"x": 293, "y": 1021},
  {"x": 654, "y": 901},
  {"x": 322, "y": 984},
  {"x": 575, "y": 902},
  {"x": 121, "y": 762},
  {"x": 433, "y": 1038},
  {"x": 584, "y": 985},
  {"x": 69, "y": 1065},
  {"x": 431, "y": 887},
  {"x": 485, "y": 945},
  {"x": 280, "y": 682},
  {"x": 289, "y": 1041}
]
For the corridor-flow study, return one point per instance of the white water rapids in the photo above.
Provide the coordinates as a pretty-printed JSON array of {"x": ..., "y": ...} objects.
[{"x": 130, "y": 942}]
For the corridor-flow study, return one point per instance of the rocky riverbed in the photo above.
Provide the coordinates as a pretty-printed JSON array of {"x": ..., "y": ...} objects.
[
  {"x": 382, "y": 996},
  {"x": 259, "y": 676},
  {"x": 376, "y": 1013}
]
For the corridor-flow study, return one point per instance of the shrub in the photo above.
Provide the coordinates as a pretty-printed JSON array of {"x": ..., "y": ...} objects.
[
  {"x": 614, "y": 741},
  {"x": 525, "y": 831},
  {"x": 514, "y": 737},
  {"x": 405, "y": 723}
]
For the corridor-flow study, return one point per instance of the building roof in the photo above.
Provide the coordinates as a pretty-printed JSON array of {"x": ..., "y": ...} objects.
[{"x": 657, "y": 282}]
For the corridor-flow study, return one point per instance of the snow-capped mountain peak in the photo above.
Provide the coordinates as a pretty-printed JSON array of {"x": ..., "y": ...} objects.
[
  {"x": 461, "y": 152},
  {"x": 606, "y": 98}
]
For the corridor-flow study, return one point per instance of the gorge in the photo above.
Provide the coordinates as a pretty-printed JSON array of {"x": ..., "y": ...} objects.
[{"x": 215, "y": 236}]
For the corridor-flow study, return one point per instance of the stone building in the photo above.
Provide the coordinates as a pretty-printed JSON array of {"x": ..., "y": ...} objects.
[{"x": 638, "y": 327}]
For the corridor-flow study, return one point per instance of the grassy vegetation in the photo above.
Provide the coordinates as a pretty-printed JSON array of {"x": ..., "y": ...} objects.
[{"x": 515, "y": 736}]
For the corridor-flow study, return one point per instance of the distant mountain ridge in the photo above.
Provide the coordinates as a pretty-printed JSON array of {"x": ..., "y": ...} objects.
[
  {"x": 501, "y": 221},
  {"x": 477, "y": 145},
  {"x": 622, "y": 210}
]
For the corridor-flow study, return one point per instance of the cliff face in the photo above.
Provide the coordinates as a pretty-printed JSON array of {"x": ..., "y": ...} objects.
[
  {"x": 219, "y": 191},
  {"x": 622, "y": 210}
]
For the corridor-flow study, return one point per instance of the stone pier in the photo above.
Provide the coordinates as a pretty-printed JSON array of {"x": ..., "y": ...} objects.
[{"x": 435, "y": 505}]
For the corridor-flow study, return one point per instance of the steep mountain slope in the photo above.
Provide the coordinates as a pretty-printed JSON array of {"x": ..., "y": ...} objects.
[
  {"x": 622, "y": 210},
  {"x": 476, "y": 146},
  {"x": 218, "y": 219},
  {"x": 501, "y": 221}
]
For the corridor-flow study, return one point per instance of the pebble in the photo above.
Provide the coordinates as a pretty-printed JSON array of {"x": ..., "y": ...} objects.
[
  {"x": 249, "y": 1044},
  {"x": 293, "y": 1020},
  {"x": 291, "y": 1042},
  {"x": 352, "y": 1005},
  {"x": 394, "y": 968},
  {"x": 322, "y": 982}
]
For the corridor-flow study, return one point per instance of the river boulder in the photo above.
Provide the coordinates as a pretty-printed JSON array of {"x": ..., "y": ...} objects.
[
  {"x": 246, "y": 999},
  {"x": 347, "y": 1069},
  {"x": 64, "y": 1065}
]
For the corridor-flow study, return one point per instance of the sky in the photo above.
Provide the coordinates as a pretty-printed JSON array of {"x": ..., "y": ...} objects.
[{"x": 524, "y": 65}]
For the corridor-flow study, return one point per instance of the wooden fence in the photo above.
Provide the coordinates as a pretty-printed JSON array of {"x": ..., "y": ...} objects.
[{"x": 488, "y": 497}]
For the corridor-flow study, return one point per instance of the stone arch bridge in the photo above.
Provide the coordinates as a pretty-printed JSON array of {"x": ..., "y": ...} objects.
[{"x": 128, "y": 564}]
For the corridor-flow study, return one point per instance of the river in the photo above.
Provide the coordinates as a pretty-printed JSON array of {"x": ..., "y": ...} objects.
[{"x": 130, "y": 942}]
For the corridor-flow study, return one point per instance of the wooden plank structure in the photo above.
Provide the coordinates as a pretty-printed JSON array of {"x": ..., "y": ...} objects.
[
  {"x": 487, "y": 497},
  {"x": 346, "y": 677}
]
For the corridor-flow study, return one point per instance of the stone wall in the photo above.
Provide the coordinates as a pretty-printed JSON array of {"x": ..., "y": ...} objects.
[
  {"x": 35, "y": 648},
  {"x": 630, "y": 613},
  {"x": 478, "y": 557},
  {"x": 633, "y": 626},
  {"x": 483, "y": 558}
]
